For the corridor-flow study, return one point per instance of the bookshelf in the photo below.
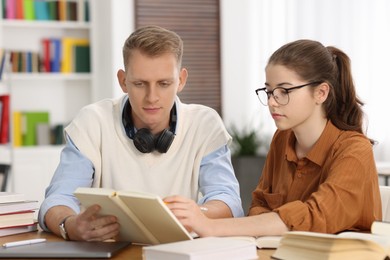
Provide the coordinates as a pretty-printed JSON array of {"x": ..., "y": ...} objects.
[
  {"x": 58, "y": 93},
  {"x": 63, "y": 95}
]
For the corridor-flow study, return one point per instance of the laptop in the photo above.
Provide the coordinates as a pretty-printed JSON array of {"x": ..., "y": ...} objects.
[{"x": 64, "y": 249}]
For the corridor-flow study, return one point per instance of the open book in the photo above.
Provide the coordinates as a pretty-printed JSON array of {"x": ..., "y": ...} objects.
[
  {"x": 144, "y": 218},
  {"x": 263, "y": 242},
  {"x": 298, "y": 245}
]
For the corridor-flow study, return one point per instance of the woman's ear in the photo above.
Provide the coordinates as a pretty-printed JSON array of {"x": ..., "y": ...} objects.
[
  {"x": 321, "y": 93},
  {"x": 121, "y": 75}
]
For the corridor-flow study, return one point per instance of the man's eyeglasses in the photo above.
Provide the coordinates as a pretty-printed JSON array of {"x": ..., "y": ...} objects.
[{"x": 280, "y": 94}]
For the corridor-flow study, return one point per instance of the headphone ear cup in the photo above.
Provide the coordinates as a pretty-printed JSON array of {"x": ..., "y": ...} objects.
[
  {"x": 164, "y": 141},
  {"x": 144, "y": 140}
]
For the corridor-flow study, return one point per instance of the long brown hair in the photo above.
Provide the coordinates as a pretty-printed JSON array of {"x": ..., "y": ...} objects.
[{"x": 316, "y": 63}]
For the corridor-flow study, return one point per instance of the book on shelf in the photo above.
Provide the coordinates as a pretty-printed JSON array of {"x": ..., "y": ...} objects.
[
  {"x": 4, "y": 118},
  {"x": 18, "y": 206},
  {"x": 30, "y": 121},
  {"x": 81, "y": 58},
  {"x": 18, "y": 229},
  {"x": 53, "y": 10},
  {"x": 68, "y": 50},
  {"x": 17, "y": 128},
  {"x": 17, "y": 219},
  {"x": 19, "y": 8},
  {"x": 4, "y": 59},
  {"x": 144, "y": 218},
  {"x": 55, "y": 54},
  {"x": 28, "y": 9},
  {"x": 41, "y": 10},
  {"x": 208, "y": 248},
  {"x": 297, "y": 245}
]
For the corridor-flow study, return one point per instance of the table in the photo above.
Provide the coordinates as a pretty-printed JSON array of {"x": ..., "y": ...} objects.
[
  {"x": 133, "y": 252},
  {"x": 383, "y": 169}
]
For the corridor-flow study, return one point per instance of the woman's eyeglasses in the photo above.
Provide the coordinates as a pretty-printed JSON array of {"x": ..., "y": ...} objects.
[{"x": 280, "y": 94}]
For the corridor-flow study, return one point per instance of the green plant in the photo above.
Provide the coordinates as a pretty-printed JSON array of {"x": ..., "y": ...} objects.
[{"x": 245, "y": 143}]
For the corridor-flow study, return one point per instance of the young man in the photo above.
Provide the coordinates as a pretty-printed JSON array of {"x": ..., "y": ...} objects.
[{"x": 146, "y": 140}]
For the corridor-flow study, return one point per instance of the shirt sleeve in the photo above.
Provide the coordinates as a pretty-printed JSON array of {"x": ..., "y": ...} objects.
[
  {"x": 218, "y": 182},
  {"x": 73, "y": 171}
]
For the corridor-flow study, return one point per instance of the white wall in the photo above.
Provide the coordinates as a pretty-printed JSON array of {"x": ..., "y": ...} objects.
[{"x": 252, "y": 30}]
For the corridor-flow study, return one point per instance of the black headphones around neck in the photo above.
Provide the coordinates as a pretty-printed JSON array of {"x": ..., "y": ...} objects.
[{"x": 143, "y": 139}]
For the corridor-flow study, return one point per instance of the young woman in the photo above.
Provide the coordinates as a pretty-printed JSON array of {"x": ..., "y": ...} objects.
[{"x": 320, "y": 172}]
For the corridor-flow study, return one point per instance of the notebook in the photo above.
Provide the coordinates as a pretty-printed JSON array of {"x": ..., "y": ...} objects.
[{"x": 64, "y": 249}]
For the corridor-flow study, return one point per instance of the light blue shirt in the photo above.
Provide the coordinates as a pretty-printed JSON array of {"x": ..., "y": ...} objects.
[{"x": 216, "y": 180}]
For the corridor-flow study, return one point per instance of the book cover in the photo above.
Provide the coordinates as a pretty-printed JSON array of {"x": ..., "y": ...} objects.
[
  {"x": 208, "y": 248},
  {"x": 30, "y": 119},
  {"x": 18, "y": 206},
  {"x": 81, "y": 11},
  {"x": 19, "y": 7},
  {"x": 41, "y": 9},
  {"x": 144, "y": 218},
  {"x": 380, "y": 228},
  {"x": 17, "y": 129},
  {"x": 2, "y": 62},
  {"x": 68, "y": 44},
  {"x": 18, "y": 229},
  {"x": 53, "y": 10},
  {"x": 46, "y": 59},
  {"x": 71, "y": 10},
  {"x": 7, "y": 197},
  {"x": 82, "y": 58},
  {"x": 5, "y": 121},
  {"x": 10, "y": 9},
  {"x": 62, "y": 11},
  {"x": 55, "y": 54},
  {"x": 17, "y": 219},
  {"x": 28, "y": 10},
  {"x": 297, "y": 245}
]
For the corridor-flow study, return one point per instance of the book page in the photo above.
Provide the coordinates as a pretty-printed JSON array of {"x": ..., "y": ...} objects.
[
  {"x": 155, "y": 216},
  {"x": 131, "y": 228}
]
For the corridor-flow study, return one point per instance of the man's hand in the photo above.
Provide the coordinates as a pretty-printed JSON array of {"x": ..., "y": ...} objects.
[
  {"x": 86, "y": 226},
  {"x": 89, "y": 226}
]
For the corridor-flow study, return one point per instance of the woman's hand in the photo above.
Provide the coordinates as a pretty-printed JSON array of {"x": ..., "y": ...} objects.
[{"x": 189, "y": 214}]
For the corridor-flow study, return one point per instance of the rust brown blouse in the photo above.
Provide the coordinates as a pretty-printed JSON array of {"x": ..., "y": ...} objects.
[{"x": 334, "y": 188}]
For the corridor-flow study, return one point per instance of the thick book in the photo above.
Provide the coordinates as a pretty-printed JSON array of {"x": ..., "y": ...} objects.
[
  {"x": 17, "y": 219},
  {"x": 144, "y": 218},
  {"x": 380, "y": 228},
  {"x": 13, "y": 207},
  {"x": 7, "y": 196},
  {"x": 298, "y": 245},
  {"x": 208, "y": 248},
  {"x": 18, "y": 229}
]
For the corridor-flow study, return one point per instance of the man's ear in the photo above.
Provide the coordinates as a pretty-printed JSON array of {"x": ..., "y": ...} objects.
[
  {"x": 121, "y": 75},
  {"x": 322, "y": 92},
  {"x": 182, "y": 79}
]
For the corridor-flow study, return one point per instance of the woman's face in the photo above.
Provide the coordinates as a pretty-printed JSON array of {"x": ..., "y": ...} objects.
[{"x": 301, "y": 108}]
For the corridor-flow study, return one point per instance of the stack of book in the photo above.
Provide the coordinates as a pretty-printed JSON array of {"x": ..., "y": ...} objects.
[{"x": 17, "y": 215}]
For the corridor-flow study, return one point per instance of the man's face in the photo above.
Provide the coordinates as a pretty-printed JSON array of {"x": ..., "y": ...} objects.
[{"x": 152, "y": 84}]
